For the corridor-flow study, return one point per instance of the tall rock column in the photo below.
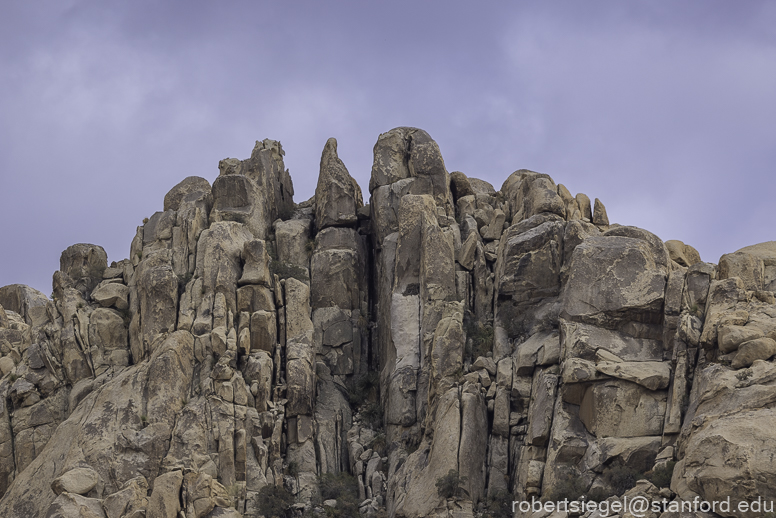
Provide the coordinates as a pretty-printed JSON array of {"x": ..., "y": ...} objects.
[
  {"x": 420, "y": 327},
  {"x": 412, "y": 213},
  {"x": 300, "y": 379},
  {"x": 340, "y": 306}
]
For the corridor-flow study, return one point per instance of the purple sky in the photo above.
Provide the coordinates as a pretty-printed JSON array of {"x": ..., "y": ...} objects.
[{"x": 666, "y": 111}]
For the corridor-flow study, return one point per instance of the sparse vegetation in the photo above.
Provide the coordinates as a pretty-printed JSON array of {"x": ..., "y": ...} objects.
[
  {"x": 744, "y": 374},
  {"x": 513, "y": 318},
  {"x": 366, "y": 387},
  {"x": 479, "y": 338},
  {"x": 13, "y": 377},
  {"x": 310, "y": 245},
  {"x": 343, "y": 488},
  {"x": 412, "y": 289},
  {"x": 372, "y": 415},
  {"x": 274, "y": 501},
  {"x": 285, "y": 213},
  {"x": 568, "y": 487},
  {"x": 499, "y": 505},
  {"x": 621, "y": 478},
  {"x": 449, "y": 486},
  {"x": 661, "y": 476},
  {"x": 293, "y": 469}
]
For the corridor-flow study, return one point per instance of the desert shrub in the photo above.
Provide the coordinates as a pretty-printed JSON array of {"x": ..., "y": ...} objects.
[
  {"x": 482, "y": 339},
  {"x": 621, "y": 478},
  {"x": 412, "y": 289},
  {"x": 449, "y": 486},
  {"x": 293, "y": 468},
  {"x": 661, "y": 476},
  {"x": 372, "y": 414},
  {"x": 343, "y": 488},
  {"x": 744, "y": 374},
  {"x": 286, "y": 212},
  {"x": 338, "y": 485},
  {"x": 412, "y": 445},
  {"x": 364, "y": 388},
  {"x": 568, "y": 487},
  {"x": 499, "y": 505},
  {"x": 274, "y": 501},
  {"x": 479, "y": 337}
]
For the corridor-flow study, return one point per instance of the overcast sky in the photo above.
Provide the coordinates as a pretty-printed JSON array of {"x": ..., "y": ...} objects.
[{"x": 666, "y": 111}]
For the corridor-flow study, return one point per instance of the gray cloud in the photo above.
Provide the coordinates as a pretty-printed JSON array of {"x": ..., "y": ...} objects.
[{"x": 664, "y": 111}]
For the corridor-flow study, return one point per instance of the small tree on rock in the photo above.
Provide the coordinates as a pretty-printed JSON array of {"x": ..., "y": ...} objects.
[{"x": 449, "y": 486}]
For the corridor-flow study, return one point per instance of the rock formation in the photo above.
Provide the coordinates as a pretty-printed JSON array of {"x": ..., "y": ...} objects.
[{"x": 441, "y": 351}]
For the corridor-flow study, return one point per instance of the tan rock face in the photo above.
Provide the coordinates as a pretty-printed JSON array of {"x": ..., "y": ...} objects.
[
  {"x": 748, "y": 265},
  {"x": 337, "y": 196},
  {"x": 614, "y": 278},
  {"x": 176, "y": 195},
  {"x": 251, "y": 346},
  {"x": 78, "y": 481},
  {"x": 165, "y": 500},
  {"x": 729, "y": 436},
  {"x": 84, "y": 264},
  {"x": 622, "y": 409},
  {"x": 531, "y": 193},
  {"x": 112, "y": 294},
  {"x": 158, "y": 290},
  {"x": 683, "y": 254}
]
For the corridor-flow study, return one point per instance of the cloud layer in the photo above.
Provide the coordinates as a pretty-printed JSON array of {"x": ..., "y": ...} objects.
[{"x": 664, "y": 111}]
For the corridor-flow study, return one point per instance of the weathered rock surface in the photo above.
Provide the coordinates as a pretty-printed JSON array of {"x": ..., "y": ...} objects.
[
  {"x": 187, "y": 186},
  {"x": 613, "y": 279},
  {"x": 337, "y": 196},
  {"x": 510, "y": 343}
]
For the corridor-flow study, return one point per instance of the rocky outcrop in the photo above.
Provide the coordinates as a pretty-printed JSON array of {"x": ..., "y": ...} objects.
[
  {"x": 443, "y": 350},
  {"x": 337, "y": 196}
]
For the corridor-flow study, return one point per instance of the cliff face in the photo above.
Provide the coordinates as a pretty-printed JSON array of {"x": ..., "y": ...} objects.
[{"x": 253, "y": 355}]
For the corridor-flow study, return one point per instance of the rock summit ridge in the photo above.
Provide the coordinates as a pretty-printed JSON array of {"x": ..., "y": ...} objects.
[{"x": 443, "y": 350}]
